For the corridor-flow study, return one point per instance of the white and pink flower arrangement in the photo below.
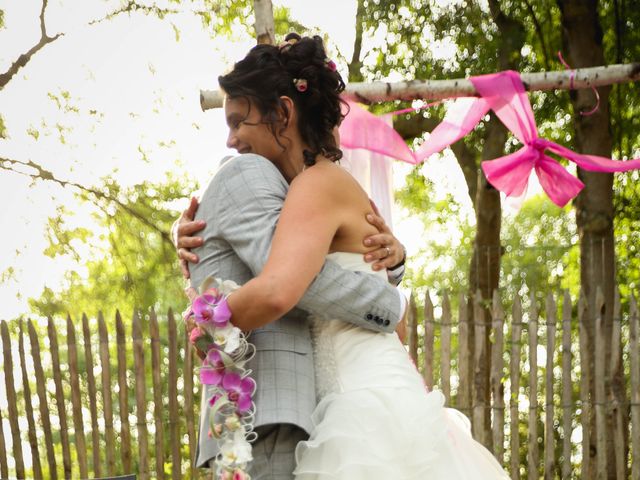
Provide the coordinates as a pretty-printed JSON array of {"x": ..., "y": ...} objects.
[{"x": 224, "y": 371}]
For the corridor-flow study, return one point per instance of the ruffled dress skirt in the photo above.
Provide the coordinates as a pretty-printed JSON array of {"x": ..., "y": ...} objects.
[{"x": 376, "y": 420}]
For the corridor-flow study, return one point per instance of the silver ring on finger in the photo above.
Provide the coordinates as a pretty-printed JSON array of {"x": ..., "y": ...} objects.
[{"x": 388, "y": 251}]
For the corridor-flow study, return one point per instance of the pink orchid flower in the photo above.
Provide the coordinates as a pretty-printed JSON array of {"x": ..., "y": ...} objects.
[
  {"x": 213, "y": 371},
  {"x": 239, "y": 390},
  {"x": 203, "y": 308},
  {"x": 239, "y": 475},
  {"x": 211, "y": 310}
]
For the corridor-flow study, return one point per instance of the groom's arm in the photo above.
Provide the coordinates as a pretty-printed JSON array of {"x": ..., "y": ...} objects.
[
  {"x": 246, "y": 201},
  {"x": 389, "y": 254}
]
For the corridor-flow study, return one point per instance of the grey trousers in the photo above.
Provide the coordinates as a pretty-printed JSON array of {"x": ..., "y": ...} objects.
[{"x": 274, "y": 452}]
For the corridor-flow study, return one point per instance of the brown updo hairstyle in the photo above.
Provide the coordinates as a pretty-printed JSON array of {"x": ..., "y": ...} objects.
[{"x": 267, "y": 72}]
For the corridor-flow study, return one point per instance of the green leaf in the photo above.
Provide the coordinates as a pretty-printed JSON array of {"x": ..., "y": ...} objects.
[
  {"x": 176, "y": 31},
  {"x": 3, "y": 129},
  {"x": 124, "y": 260},
  {"x": 33, "y": 132}
]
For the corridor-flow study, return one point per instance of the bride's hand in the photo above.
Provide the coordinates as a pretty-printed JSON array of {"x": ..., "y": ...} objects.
[{"x": 389, "y": 252}]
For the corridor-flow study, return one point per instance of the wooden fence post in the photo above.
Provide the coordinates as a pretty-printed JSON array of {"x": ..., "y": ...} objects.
[
  {"x": 497, "y": 372},
  {"x": 188, "y": 397},
  {"x": 123, "y": 397},
  {"x": 601, "y": 419},
  {"x": 141, "y": 397},
  {"x": 480, "y": 357},
  {"x": 549, "y": 438},
  {"x": 79, "y": 439},
  {"x": 174, "y": 427},
  {"x": 533, "y": 455},
  {"x": 616, "y": 402},
  {"x": 412, "y": 329},
  {"x": 464, "y": 360},
  {"x": 92, "y": 391},
  {"x": 429, "y": 334},
  {"x": 28, "y": 406},
  {"x": 107, "y": 402},
  {"x": 567, "y": 393},
  {"x": 514, "y": 374},
  {"x": 12, "y": 400},
  {"x": 60, "y": 403},
  {"x": 4, "y": 466},
  {"x": 42, "y": 400},
  {"x": 445, "y": 348},
  {"x": 585, "y": 379},
  {"x": 158, "y": 403}
]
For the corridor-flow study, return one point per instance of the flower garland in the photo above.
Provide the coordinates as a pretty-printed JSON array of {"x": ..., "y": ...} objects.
[{"x": 223, "y": 369}]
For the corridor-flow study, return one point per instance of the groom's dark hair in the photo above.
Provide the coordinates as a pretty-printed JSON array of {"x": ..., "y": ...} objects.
[{"x": 269, "y": 72}]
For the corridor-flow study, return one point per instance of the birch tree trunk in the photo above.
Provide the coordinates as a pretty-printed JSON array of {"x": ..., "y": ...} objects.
[
  {"x": 265, "y": 28},
  {"x": 582, "y": 40}
]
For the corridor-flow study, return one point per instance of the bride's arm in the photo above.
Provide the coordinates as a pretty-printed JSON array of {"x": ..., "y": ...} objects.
[{"x": 310, "y": 218}]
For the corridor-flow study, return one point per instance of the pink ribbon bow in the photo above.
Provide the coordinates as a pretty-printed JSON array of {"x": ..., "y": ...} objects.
[{"x": 504, "y": 93}]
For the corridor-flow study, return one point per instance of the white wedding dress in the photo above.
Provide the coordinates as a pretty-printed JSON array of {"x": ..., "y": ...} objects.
[{"x": 375, "y": 418}]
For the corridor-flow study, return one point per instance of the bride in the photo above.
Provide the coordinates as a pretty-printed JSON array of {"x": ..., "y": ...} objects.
[{"x": 374, "y": 419}]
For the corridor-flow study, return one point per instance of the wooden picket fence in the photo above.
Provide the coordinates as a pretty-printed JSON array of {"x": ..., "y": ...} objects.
[
  {"x": 125, "y": 399},
  {"x": 546, "y": 409},
  {"x": 165, "y": 413}
]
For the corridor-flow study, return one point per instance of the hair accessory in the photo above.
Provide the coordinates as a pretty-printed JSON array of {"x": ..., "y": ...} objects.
[
  {"x": 331, "y": 65},
  {"x": 286, "y": 45},
  {"x": 301, "y": 84}
]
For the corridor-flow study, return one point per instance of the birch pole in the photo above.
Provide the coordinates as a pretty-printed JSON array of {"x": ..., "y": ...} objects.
[
  {"x": 373, "y": 92},
  {"x": 265, "y": 27}
]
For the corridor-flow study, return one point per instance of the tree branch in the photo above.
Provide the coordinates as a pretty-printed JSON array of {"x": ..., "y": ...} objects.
[
  {"x": 133, "y": 6},
  {"x": 355, "y": 66},
  {"x": 468, "y": 163},
  {"x": 45, "y": 39},
  {"x": 41, "y": 173},
  {"x": 23, "y": 59},
  {"x": 539, "y": 32}
]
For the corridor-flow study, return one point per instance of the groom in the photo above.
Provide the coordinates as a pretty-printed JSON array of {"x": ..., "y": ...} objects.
[{"x": 239, "y": 211}]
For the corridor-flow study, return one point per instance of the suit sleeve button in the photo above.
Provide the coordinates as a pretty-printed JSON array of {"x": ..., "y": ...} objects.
[
  {"x": 369, "y": 316},
  {"x": 386, "y": 322}
]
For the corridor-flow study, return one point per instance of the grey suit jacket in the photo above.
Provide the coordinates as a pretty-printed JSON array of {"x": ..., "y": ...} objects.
[{"x": 241, "y": 206}]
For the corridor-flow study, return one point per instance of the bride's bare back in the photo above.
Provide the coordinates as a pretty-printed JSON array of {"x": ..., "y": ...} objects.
[
  {"x": 325, "y": 211},
  {"x": 352, "y": 212}
]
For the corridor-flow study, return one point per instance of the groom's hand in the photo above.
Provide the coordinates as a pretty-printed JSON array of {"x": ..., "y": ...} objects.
[
  {"x": 182, "y": 235},
  {"x": 389, "y": 252}
]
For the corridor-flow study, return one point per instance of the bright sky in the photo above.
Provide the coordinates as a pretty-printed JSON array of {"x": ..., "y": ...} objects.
[{"x": 144, "y": 87}]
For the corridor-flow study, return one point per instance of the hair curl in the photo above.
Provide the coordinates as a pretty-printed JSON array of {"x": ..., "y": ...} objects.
[{"x": 267, "y": 72}]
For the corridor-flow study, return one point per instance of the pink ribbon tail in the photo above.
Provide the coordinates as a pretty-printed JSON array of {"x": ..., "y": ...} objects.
[
  {"x": 462, "y": 116},
  {"x": 510, "y": 174},
  {"x": 559, "y": 184},
  {"x": 593, "y": 163},
  {"x": 362, "y": 129}
]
